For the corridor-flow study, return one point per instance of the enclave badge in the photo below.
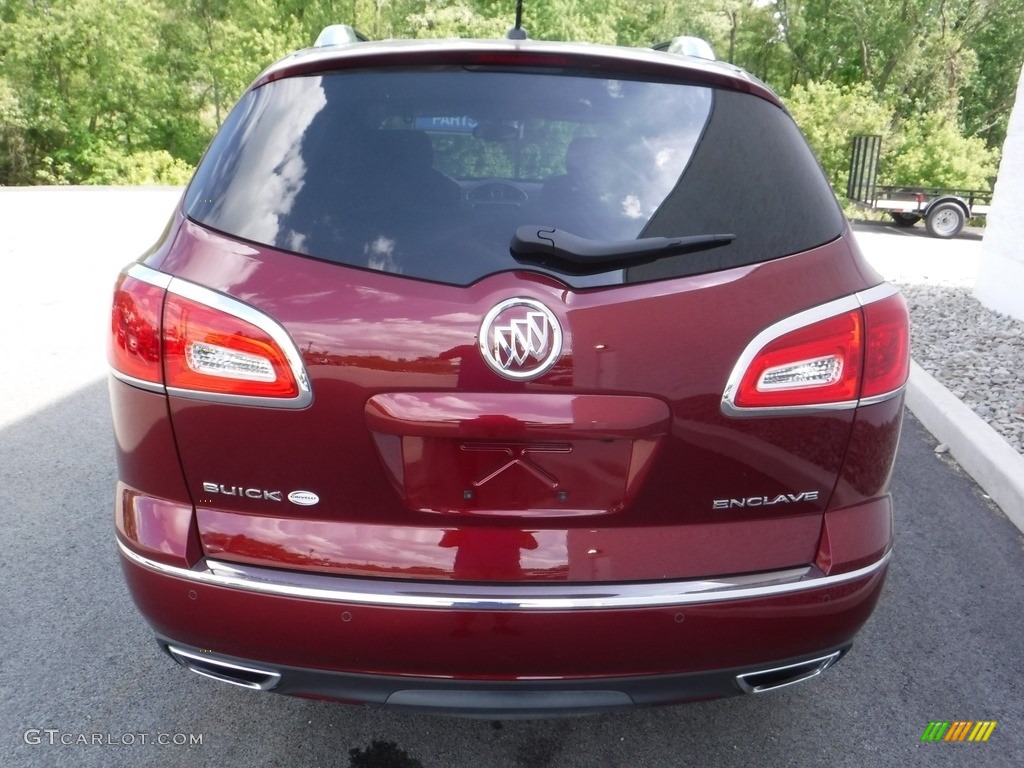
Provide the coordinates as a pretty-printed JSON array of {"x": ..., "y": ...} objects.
[
  {"x": 765, "y": 501},
  {"x": 520, "y": 339}
]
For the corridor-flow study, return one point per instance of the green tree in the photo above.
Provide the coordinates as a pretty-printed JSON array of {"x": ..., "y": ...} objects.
[
  {"x": 987, "y": 98},
  {"x": 15, "y": 157},
  {"x": 831, "y": 115},
  {"x": 920, "y": 55},
  {"x": 97, "y": 90},
  {"x": 80, "y": 69},
  {"x": 930, "y": 151},
  {"x": 457, "y": 19}
]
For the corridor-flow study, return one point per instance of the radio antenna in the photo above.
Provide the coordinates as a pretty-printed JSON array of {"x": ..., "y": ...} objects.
[{"x": 517, "y": 32}]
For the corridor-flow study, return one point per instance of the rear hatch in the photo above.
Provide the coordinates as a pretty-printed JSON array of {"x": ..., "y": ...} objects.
[{"x": 504, "y": 385}]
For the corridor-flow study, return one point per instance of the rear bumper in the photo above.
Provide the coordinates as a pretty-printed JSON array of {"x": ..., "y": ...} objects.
[
  {"x": 509, "y": 650},
  {"x": 499, "y": 699}
]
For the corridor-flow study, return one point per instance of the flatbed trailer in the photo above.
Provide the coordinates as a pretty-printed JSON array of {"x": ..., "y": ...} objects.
[{"x": 945, "y": 211}]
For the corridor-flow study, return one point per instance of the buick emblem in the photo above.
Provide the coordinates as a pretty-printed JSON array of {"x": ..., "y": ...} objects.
[{"x": 520, "y": 339}]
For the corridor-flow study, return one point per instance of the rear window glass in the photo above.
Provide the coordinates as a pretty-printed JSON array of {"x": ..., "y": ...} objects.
[{"x": 428, "y": 174}]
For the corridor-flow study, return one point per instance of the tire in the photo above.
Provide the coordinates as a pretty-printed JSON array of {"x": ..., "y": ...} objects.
[
  {"x": 904, "y": 219},
  {"x": 945, "y": 220}
]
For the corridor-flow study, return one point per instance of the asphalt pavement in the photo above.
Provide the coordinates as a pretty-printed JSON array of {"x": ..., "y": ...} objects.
[{"x": 82, "y": 683}]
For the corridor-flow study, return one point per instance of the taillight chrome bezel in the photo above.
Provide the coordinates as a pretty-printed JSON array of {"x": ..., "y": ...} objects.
[
  {"x": 822, "y": 312},
  {"x": 241, "y": 311}
]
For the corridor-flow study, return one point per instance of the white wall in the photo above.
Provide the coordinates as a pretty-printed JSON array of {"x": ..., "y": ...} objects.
[{"x": 1000, "y": 284}]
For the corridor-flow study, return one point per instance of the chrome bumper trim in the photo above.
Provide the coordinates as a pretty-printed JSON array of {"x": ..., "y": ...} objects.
[{"x": 499, "y": 597}]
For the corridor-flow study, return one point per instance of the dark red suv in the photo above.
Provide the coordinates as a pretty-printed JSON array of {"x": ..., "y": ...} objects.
[{"x": 506, "y": 378}]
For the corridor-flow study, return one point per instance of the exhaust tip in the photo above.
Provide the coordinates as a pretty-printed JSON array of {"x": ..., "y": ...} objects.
[
  {"x": 772, "y": 679},
  {"x": 225, "y": 672}
]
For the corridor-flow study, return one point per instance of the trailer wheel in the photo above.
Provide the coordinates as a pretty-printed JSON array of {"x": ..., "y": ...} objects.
[
  {"x": 904, "y": 219},
  {"x": 945, "y": 220}
]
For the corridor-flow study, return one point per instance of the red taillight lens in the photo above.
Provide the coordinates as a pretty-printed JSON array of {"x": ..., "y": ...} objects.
[
  {"x": 816, "y": 364},
  {"x": 133, "y": 347},
  {"x": 208, "y": 350},
  {"x": 839, "y": 353},
  {"x": 198, "y": 343},
  {"x": 887, "y": 351}
]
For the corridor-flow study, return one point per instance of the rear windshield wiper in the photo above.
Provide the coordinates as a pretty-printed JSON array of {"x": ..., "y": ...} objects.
[{"x": 565, "y": 252}]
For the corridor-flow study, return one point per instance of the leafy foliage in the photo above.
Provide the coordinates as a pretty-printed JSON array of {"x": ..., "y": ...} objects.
[
  {"x": 455, "y": 20},
  {"x": 932, "y": 148},
  {"x": 103, "y": 91},
  {"x": 153, "y": 166},
  {"x": 14, "y": 152},
  {"x": 831, "y": 115}
]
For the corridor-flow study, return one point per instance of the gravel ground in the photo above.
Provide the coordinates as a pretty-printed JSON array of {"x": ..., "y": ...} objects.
[{"x": 977, "y": 354}]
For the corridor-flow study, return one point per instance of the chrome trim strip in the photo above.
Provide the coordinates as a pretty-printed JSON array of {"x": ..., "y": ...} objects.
[
  {"x": 738, "y": 412},
  {"x": 792, "y": 323},
  {"x": 148, "y": 275},
  {"x": 875, "y": 399},
  {"x": 302, "y": 401},
  {"x": 149, "y": 386},
  {"x": 539, "y": 597},
  {"x": 877, "y": 293}
]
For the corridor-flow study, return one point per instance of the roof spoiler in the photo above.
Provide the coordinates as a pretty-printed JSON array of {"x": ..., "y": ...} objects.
[
  {"x": 697, "y": 47},
  {"x": 339, "y": 34}
]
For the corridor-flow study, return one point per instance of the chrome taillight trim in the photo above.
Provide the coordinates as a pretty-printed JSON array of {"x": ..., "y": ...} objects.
[
  {"x": 242, "y": 311},
  {"x": 877, "y": 293},
  {"x": 875, "y": 399},
  {"x": 513, "y": 597},
  {"x": 149, "y": 275},
  {"x": 792, "y": 323},
  {"x": 149, "y": 386}
]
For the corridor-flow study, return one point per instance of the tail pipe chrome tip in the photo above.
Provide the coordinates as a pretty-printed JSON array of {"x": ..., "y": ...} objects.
[
  {"x": 225, "y": 672},
  {"x": 764, "y": 680}
]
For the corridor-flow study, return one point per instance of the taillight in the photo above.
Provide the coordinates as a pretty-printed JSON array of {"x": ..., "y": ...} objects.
[
  {"x": 833, "y": 356},
  {"x": 887, "y": 351},
  {"x": 209, "y": 351},
  {"x": 816, "y": 364},
  {"x": 201, "y": 344},
  {"x": 133, "y": 346}
]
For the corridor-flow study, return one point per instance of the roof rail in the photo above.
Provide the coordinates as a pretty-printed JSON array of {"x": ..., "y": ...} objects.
[
  {"x": 688, "y": 46},
  {"x": 339, "y": 34}
]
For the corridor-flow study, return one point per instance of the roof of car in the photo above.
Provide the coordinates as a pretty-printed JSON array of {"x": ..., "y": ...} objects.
[{"x": 457, "y": 52}]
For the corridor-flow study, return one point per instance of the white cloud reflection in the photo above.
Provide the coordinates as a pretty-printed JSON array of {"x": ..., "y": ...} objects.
[
  {"x": 275, "y": 181},
  {"x": 380, "y": 255}
]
